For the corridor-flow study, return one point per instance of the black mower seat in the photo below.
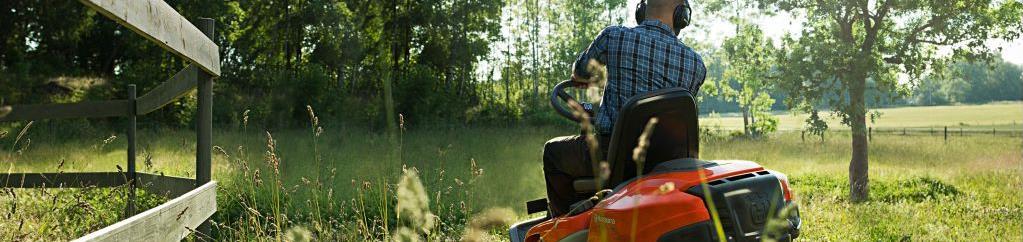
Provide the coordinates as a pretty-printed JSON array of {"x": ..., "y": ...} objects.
[{"x": 676, "y": 135}]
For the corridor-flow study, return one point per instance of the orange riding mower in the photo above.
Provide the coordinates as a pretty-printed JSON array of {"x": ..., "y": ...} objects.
[{"x": 678, "y": 197}]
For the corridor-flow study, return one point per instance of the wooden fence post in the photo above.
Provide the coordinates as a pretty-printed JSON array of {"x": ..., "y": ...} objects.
[
  {"x": 946, "y": 133},
  {"x": 132, "y": 175},
  {"x": 204, "y": 125}
]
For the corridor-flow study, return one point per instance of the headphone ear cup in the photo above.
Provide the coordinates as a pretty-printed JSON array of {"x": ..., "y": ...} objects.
[
  {"x": 682, "y": 16},
  {"x": 640, "y": 12}
]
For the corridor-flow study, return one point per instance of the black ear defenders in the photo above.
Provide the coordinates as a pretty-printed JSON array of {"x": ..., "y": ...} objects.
[
  {"x": 640, "y": 11},
  {"x": 682, "y": 17}
]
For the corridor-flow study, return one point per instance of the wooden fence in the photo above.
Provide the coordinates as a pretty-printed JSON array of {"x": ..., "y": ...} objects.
[{"x": 194, "y": 200}]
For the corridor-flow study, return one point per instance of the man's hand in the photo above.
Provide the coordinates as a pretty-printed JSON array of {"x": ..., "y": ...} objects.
[{"x": 579, "y": 82}]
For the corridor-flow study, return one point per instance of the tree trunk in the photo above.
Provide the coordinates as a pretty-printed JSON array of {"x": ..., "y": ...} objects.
[
  {"x": 745, "y": 120},
  {"x": 859, "y": 190}
]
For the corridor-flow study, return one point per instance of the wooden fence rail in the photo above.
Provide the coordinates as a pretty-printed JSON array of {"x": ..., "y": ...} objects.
[
  {"x": 167, "y": 92},
  {"x": 195, "y": 198},
  {"x": 161, "y": 24},
  {"x": 88, "y": 109},
  {"x": 171, "y": 221}
]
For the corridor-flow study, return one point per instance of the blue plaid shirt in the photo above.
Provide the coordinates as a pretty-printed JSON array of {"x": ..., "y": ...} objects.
[{"x": 640, "y": 59}]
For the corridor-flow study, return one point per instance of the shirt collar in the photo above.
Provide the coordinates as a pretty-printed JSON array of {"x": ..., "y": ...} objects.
[{"x": 658, "y": 24}]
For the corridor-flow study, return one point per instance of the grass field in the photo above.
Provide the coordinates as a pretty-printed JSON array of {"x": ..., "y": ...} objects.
[
  {"x": 923, "y": 188},
  {"x": 1001, "y": 115}
]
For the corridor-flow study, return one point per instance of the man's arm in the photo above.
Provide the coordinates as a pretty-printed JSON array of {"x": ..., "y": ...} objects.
[
  {"x": 700, "y": 76},
  {"x": 597, "y": 51}
]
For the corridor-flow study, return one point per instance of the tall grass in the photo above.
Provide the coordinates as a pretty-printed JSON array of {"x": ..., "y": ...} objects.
[{"x": 922, "y": 187}]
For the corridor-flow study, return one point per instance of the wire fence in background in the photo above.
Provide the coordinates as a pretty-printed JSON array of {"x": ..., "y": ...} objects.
[{"x": 944, "y": 132}]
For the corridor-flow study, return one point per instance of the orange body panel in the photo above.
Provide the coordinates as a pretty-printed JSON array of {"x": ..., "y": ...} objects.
[{"x": 644, "y": 209}]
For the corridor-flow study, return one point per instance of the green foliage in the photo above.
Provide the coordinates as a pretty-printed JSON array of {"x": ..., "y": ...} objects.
[
  {"x": 278, "y": 56},
  {"x": 847, "y": 47},
  {"x": 971, "y": 82},
  {"x": 751, "y": 62}
]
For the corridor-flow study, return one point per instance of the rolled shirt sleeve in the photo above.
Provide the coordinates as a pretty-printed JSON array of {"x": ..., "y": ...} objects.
[{"x": 597, "y": 51}]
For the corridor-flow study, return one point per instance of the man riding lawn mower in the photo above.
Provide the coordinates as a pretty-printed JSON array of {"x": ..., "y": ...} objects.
[{"x": 669, "y": 195}]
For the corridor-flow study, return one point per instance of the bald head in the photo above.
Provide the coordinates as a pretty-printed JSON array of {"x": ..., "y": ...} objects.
[
  {"x": 658, "y": 7},
  {"x": 663, "y": 10}
]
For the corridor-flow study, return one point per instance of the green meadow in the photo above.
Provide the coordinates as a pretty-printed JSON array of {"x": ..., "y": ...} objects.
[
  {"x": 341, "y": 184},
  {"x": 1001, "y": 115}
]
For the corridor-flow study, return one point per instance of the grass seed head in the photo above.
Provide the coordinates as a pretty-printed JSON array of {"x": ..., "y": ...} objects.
[
  {"x": 404, "y": 234},
  {"x": 598, "y": 79},
  {"x": 401, "y": 121},
  {"x": 4, "y": 111},
  {"x": 605, "y": 171},
  {"x": 666, "y": 188},
  {"x": 271, "y": 153},
  {"x": 639, "y": 153},
  {"x": 492, "y": 218},
  {"x": 245, "y": 118},
  {"x": 475, "y": 169},
  {"x": 298, "y": 234},
  {"x": 312, "y": 116},
  {"x": 413, "y": 205}
]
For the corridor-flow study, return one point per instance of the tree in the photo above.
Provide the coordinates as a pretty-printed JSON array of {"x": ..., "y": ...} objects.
[
  {"x": 751, "y": 60},
  {"x": 848, "y": 47}
]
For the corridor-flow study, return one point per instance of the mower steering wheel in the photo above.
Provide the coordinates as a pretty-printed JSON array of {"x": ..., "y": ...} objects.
[{"x": 559, "y": 92}]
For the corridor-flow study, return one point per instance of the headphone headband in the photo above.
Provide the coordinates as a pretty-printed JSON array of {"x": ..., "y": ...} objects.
[{"x": 682, "y": 16}]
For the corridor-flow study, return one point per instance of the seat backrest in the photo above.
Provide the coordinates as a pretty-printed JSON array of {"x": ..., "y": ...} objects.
[{"x": 676, "y": 135}]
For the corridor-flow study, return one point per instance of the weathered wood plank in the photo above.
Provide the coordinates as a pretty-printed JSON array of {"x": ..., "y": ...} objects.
[
  {"x": 160, "y": 23},
  {"x": 168, "y": 186},
  {"x": 170, "y": 221},
  {"x": 168, "y": 91},
  {"x": 62, "y": 180},
  {"x": 88, "y": 109}
]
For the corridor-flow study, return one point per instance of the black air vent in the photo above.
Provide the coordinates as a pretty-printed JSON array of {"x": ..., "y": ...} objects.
[{"x": 740, "y": 177}]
